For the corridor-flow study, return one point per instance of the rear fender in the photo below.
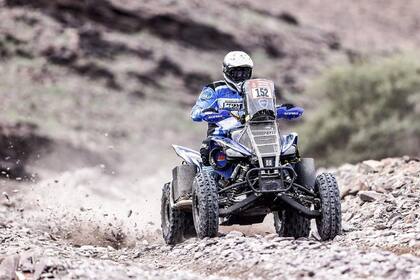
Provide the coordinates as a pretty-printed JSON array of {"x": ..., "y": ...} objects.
[{"x": 188, "y": 155}]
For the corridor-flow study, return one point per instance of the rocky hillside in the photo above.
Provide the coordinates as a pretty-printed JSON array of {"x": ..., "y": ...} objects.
[
  {"x": 152, "y": 49},
  {"x": 380, "y": 239}
]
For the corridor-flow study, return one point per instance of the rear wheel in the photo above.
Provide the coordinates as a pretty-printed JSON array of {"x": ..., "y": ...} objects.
[
  {"x": 329, "y": 223},
  {"x": 205, "y": 204},
  {"x": 288, "y": 223},
  {"x": 172, "y": 219}
]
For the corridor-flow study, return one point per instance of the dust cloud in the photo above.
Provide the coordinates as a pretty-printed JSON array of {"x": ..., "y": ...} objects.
[{"x": 88, "y": 207}]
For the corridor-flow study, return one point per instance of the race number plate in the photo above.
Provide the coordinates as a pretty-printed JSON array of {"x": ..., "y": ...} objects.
[{"x": 261, "y": 89}]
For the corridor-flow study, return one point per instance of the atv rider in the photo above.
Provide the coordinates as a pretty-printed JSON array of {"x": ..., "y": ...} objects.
[{"x": 218, "y": 99}]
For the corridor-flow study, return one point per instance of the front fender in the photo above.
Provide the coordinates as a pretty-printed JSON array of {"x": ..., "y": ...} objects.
[{"x": 229, "y": 143}]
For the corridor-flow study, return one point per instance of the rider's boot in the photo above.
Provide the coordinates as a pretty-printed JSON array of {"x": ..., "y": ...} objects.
[{"x": 205, "y": 152}]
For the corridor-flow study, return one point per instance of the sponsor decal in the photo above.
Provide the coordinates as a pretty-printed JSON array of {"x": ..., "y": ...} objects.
[
  {"x": 230, "y": 104},
  {"x": 267, "y": 133},
  {"x": 207, "y": 94}
]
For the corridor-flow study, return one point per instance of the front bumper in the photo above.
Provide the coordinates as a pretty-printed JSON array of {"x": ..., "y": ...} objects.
[{"x": 271, "y": 179}]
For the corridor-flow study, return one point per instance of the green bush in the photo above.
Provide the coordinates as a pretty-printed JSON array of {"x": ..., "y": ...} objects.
[{"x": 368, "y": 110}]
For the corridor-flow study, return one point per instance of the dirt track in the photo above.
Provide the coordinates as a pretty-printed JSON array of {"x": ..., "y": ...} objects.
[{"x": 381, "y": 237}]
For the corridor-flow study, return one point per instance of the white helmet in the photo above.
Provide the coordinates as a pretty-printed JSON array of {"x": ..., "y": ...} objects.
[{"x": 237, "y": 68}]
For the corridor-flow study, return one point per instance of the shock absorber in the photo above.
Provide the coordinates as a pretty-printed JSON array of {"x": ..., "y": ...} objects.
[
  {"x": 235, "y": 172},
  {"x": 244, "y": 170}
]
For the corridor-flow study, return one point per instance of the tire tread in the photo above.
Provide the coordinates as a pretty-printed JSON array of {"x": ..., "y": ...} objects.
[
  {"x": 205, "y": 188},
  {"x": 329, "y": 224},
  {"x": 174, "y": 233}
]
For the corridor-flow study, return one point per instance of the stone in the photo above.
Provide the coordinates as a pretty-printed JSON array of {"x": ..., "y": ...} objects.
[
  {"x": 271, "y": 236},
  {"x": 26, "y": 263},
  {"x": 8, "y": 267},
  {"x": 370, "y": 196},
  {"x": 234, "y": 233},
  {"x": 371, "y": 165},
  {"x": 48, "y": 266}
]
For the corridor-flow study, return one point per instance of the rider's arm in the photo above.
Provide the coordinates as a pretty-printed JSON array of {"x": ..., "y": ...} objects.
[
  {"x": 289, "y": 111},
  {"x": 206, "y": 101}
]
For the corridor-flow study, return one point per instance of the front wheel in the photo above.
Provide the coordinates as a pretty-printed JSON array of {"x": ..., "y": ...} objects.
[
  {"x": 329, "y": 223},
  {"x": 288, "y": 223},
  {"x": 205, "y": 204},
  {"x": 172, "y": 219}
]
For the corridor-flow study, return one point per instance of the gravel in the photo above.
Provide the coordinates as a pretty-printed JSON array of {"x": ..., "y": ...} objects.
[{"x": 380, "y": 239}]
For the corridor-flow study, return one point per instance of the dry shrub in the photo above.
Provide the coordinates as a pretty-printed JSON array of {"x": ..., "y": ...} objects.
[{"x": 368, "y": 110}]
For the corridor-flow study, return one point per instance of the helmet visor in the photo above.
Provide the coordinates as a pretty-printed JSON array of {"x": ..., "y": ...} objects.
[{"x": 239, "y": 74}]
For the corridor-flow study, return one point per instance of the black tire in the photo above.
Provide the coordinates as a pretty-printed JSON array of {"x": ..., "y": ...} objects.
[
  {"x": 205, "y": 204},
  {"x": 288, "y": 223},
  {"x": 329, "y": 224},
  {"x": 172, "y": 219}
]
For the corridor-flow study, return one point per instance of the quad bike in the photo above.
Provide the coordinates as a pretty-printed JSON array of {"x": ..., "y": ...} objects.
[{"x": 254, "y": 171}]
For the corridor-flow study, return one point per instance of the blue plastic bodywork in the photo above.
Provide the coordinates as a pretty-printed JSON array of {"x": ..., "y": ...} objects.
[
  {"x": 288, "y": 114},
  {"x": 228, "y": 143}
]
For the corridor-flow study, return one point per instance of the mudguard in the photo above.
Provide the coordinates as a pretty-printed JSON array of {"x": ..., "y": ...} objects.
[
  {"x": 226, "y": 142},
  {"x": 188, "y": 155},
  {"x": 182, "y": 180},
  {"x": 306, "y": 173}
]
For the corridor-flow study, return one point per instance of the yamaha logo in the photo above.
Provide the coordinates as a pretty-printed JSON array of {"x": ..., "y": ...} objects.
[
  {"x": 263, "y": 103},
  {"x": 269, "y": 162}
]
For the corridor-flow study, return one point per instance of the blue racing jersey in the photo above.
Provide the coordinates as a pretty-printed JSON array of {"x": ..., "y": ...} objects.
[{"x": 217, "y": 96}]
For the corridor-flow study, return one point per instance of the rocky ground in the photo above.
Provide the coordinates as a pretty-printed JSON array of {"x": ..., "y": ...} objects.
[{"x": 380, "y": 239}]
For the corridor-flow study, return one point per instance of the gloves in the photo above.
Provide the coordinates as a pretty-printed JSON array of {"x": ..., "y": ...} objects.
[
  {"x": 289, "y": 111},
  {"x": 212, "y": 117}
]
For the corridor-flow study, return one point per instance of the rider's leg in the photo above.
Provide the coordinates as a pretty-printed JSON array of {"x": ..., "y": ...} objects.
[{"x": 205, "y": 146}]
